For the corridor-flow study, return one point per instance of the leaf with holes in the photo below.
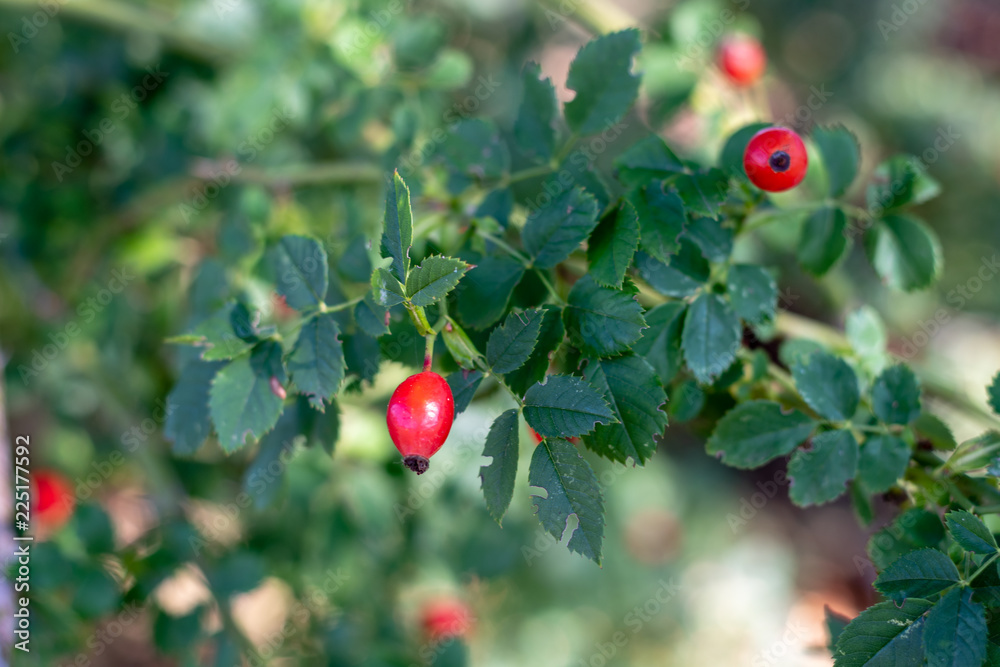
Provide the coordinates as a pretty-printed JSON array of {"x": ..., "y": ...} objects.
[{"x": 499, "y": 476}]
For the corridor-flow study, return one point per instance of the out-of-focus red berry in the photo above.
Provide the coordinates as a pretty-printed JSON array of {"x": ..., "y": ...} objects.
[
  {"x": 446, "y": 617},
  {"x": 742, "y": 59}
]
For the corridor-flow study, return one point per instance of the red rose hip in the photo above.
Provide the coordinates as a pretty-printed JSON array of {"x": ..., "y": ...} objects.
[
  {"x": 775, "y": 159},
  {"x": 444, "y": 618},
  {"x": 742, "y": 59},
  {"x": 420, "y": 414},
  {"x": 52, "y": 499}
]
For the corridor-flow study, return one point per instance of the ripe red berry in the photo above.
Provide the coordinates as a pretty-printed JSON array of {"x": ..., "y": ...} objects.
[
  {"x": 52, "y": 499},
  {"x": 742, "y": 58},
  {"x": 775, "y": 159},
  {"x": 444, "y": 618},
  {"x": 420, "y": 414}
]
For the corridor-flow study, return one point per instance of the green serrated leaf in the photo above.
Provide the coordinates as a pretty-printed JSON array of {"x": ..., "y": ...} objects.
[
  {"x": 463, "y": 387},
  {"x": 711, "y": 336},
  {"x": 896, "y": 395},
  {"x": 397, "y": 234},
  {"x": 433, "y": 279},
  {"x": 823, "y": 241},
  {"x": 636, "y": 397},
  {"x": 835, "y": 625},
  {"x": 686, "y": 401},
  {"x": 685, "y": 273},
  {"x": 821, "y": 473},
  {"x": 550, "y": 336},
  {"x": 316, "y": 363},
  {"x": 300, "y": 270},
  {"x": 486, "y": 290},
  {"x": 884, "y": 635},
  {"x": 661, "y": 220},
  {"x": 241, "y": 401},
  {"x": 993, "y": 394},
  {"x": 702, "y": 191},
  {"x": 753, "y": 292},
  {"x": 955, "y": 632},
  {"x": 917, "y": 574},
  {"x": 713, "y": 238},
  {"x": 473, "y": 151},
  {"x": 970, "y": 532},
  {"x": 905, "y": 252},
  {"x": 828, "y": 384},
  {"x": 565, "y": 407},
  {"x": 188, "y": 423},
  {"x": 371, "y": 317},
  {"x": 601, "y": 75},
  {"x": 935, "y": 431},
  {"x": 511, "y": 343},
  {"x": 260, "y": 484},
  {"x": 534, "y": 130},
  {"x": 386, "y": 290},
  {"x": 613, "y": 244},
  {"x": 551, "y": 233},
  {"x": 571, "y": 488},
  {"x": 841, "y": 155},
  {"x": 914, "y": 529},
  {"x": 661, "y": 344},
  {"x": 898, "y": 182},
  {"x": 600, "y": 321},
  {"x": 883, "y": 462},
  {"x": 755, "y": 432},
  {"x": 228, "y": 333},
  {"x": 649, "y": 159},
  {"x": 498, "y": 477},
  {"x": 866, "y": 332},
  {"x": 577, "y": 171}
]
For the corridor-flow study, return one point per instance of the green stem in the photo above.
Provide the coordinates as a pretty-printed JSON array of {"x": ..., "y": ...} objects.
[
  {"x": 323, "y": 308},
  {"x": 499, "y": 242},
  {"x": 566, "y": 149},
  {"x": 988, "y": 509},
  {"x": 419, "y": 319},
  {"x": 530, "y": 172},
  {"x": 982, "y": 568},
  {"x": 549, "y": 286}
]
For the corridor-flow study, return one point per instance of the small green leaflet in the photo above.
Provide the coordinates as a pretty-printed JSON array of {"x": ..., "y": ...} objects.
[
  {"x": 188, "y": 423},
  {"x": 551, "y": 233},
  {"x": 702, "y": 191},
  {"x": 828, "y": 385},
  {"x": 498, "y": 477},
  {"x": 601, "y": 75},
  {"x": 636, "y": 399},
  {"x": 713, "y": 238},
  {"x": 512, "y": 342},
  {"x": 900, "y": 181},
  {"x": 661, "y": 220},
  {"x": 534, "y": 130},
  {"x": 753, "y": 292},
  {"x": 884, "y": 635},
  {"x": 473, "y": 152},
  {"x": 612, "y": 245},
  {"x": 463, "y": 387},
  {"x": 683, "y": 275},
  {"x": 397, "y": 234},
  {"x": 600, "y": 321},
  {"x": 661, "y": 344},
  {"x": 550, "y": 336},
  {"x": 228, "y": 333},
  {"x": 821, "y": 473},
  {"x": 914, "y": 529},
  {"x": 955, "y": 632},
  {"x": 386, "y": 290},
  {"x": 841, "y": 156},
  {"x": 755, "y": 432},
  {"x": 241, "y": 401},
  {"x": 711, "y": 337},
  {"x": 300, "y": 270},
  {"x": 433, "y": 279},
  {"x": 565, "y": 407},
  {"x": 835, "y": 624},
  {"x": 649, "y": 159},
  {"x": 823, "y": 241},
  {"x": 371, "y": 317},
  {"x": 905, "y": 252},
  {"x": 867, "y": 336},
  {"x": 917, "y": 574},
  {"x": 316, "y": 363},
  {"x": 993, "y": 394},
  {"x": 571, "y": 488},
  {"x": 486, "y": 290},
  {"x": 883, "y": 462},
  {"x": 896, "y": 395},
  {"x": 970, "y": 532}
]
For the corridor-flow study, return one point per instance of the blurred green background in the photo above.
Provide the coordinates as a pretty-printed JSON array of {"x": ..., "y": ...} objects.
[{"x": 147, "y": 148}]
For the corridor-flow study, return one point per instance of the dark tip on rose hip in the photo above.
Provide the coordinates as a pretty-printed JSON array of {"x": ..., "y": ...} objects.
[
  {"x": 417, "y": 464},
  {"x": 780, "y": 161}
]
